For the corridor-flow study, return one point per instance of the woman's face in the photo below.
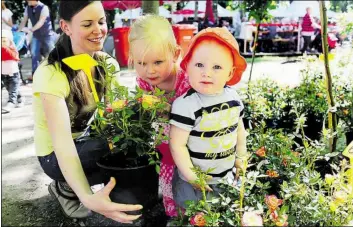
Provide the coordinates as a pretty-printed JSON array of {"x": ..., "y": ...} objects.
[{"x": 87, "y": 29}]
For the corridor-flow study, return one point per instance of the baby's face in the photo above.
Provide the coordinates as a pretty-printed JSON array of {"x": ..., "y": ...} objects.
[
  {"x": 5, "y": 42},
  {"x": 210, "y": 67}
]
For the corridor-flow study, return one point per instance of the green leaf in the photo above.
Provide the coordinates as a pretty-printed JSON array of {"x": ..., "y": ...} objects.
[
  {"x": 116, "y": 139},
  {"x": 158, "y": 168},
  {"x": 145, "y": 105}
]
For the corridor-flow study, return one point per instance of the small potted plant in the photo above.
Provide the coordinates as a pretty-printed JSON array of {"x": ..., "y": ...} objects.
[{"x": 131, "y": 122}]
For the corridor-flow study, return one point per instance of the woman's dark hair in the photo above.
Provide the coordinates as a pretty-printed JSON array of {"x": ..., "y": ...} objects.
[{"x": 79, "y": 86}]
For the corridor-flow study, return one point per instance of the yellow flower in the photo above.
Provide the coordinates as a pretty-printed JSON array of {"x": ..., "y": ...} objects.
[
  {"x": 321, "y": 199},
  {"x": 150, "y": 100},
  {"x": 330, "y": 56},
  {"x": 119, "y": 104},
  {"x": 339, "y": 197},
  {"x": 333, "y": 206},
  {"x": 329, "y": 179}
]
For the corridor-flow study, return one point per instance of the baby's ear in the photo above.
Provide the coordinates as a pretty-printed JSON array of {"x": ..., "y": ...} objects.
[{"x": 231, "y": 73}]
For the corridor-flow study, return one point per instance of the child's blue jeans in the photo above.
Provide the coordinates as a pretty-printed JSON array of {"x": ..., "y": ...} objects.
[{"x": 12, "y": 85}]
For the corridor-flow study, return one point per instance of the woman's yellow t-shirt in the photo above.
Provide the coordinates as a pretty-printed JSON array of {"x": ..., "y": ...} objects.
[{"x": 51, "y": 80}]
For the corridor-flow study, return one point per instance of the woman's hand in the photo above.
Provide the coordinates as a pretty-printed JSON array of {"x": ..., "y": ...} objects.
[{"x": 101, "y": 203}]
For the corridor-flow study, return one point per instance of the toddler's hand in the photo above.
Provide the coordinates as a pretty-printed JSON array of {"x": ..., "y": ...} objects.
[
  {"x": 199, "y": 187},
  {"x": 240, "y": 166}
]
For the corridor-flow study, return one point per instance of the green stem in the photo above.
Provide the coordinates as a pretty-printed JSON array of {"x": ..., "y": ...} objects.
[
  {"x": 204, "y": 198},
  {"x": 242, "y": 187},
  {"x": 332, "y": 121}
]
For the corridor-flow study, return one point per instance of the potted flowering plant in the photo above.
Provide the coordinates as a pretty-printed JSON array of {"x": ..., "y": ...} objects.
[{"x": 131, "y": 121}]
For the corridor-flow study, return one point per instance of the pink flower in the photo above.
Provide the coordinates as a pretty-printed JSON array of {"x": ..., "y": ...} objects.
[
  {"x": 251, "y": 219},
  {"x": 198, "y": 220},
  {"x": 109, "y": 109},
  {"x": 279, "y": 220},
  {"x": 274, "y": 215},
  {"x": 282, "y": 220},
  {"x": 273, "y": 202}
]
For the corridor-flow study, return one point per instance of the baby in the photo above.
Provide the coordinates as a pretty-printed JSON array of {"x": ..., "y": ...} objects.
[{"x": 206, "y": 122}]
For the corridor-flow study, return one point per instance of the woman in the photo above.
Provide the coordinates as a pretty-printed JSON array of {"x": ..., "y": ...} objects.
[
  {"x": 6, "y": 17},
  {"x": 63, "y": 104}
]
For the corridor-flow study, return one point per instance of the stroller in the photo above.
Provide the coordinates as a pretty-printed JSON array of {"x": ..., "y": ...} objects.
[{"x": 20, "y": 41}]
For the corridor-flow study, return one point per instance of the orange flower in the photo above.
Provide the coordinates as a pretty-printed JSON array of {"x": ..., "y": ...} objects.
[
  {"x": 320, "y": 95},
  {"x": 295, "y": 153},
  {"x": 273, "y": 202},
  {"x": 272, "y": 173},
  {"x": 261, "y": 152},
  {"x": 198, "y": 220},
  {"x": 345, "y": 111}
]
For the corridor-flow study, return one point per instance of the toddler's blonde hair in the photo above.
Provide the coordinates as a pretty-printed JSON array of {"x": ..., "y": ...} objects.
[{"x": 156, "y": 32}]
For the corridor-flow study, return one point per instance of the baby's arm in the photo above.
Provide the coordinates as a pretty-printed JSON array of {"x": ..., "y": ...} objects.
[
  {"x": 241, "y": 152},
  {"x": 178, "y": 140},
  {"x": 241, "y": 140}
]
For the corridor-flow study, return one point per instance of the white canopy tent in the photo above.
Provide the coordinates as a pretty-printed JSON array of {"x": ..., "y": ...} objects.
[
  {"x": 135, "y": 13},
  {"x": 222, "y": 12},
  {"x": 298, "y": 9}
]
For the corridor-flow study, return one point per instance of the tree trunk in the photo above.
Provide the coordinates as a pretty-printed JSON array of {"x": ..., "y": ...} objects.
[
  {"x": 215, "y": 11},
  {"x": 196, "y": 10},
  {"x": 150, "y": 7},
  {"x": 332, "y": 120},
  {"x": 254, "y": 51}
]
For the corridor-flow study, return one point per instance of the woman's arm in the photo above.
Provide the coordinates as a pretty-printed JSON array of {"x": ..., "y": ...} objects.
[{"x": 57, "y": 116}]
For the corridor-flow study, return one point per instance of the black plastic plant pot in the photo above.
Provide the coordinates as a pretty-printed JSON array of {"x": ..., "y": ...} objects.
[
  {"x": 314, "y": 126},
  {"x": 323, "y": 167},
  {"x": 349, "y": 137},
  {"x": 134, "y": 185}
]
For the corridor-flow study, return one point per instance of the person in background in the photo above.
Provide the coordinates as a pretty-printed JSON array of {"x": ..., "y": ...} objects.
[
  {"x": 308, "y": 29},
  {"x": 6, "y": 17},
  {"x": 44, "y": 37},
  {"x": 10, "y": 76},
  {"x": 227, "y": 25},
  {"x": 246, "y": 34}
]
